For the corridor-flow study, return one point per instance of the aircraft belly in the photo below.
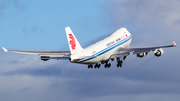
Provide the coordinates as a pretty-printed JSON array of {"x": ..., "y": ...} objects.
[
  {"x": 93, "y": 61},
  {"x": 100, "y": 58}
]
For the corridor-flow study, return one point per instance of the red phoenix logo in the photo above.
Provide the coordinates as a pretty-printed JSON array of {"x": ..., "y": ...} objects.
[{"x": 72, "y": 41}]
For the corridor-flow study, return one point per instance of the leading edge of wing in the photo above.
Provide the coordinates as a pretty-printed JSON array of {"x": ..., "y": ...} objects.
[
  {"x": 43, "y": 53},
  {"x": 136, "y": 50}
]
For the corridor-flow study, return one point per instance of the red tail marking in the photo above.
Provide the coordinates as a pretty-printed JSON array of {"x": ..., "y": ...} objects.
[{"x": 72, "y": 42}]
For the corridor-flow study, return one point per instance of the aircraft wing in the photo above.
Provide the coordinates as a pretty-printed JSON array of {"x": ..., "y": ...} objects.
[
  {"x": 121, "y": 52},
  {"x": 45, "y": 55}
]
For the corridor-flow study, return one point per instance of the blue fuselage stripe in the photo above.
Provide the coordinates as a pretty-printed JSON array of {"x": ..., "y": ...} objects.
[{"x": 106, "y": 49}]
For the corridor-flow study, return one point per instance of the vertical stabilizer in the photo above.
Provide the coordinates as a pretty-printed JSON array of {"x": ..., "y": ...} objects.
[{"x": 74, "y": 45}]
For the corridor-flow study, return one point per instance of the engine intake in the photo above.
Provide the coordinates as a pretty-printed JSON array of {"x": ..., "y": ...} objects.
[
  {"x": 70, "y": 59},
  {"x": 141, "y": 55},
  {"x": 158, "y": 52}
]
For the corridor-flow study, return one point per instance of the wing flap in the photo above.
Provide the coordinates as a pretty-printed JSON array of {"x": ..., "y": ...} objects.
[
  {"x": 47, "y": 58},
  {"x": 143, "y": 51},
  {"x": 119, "y": 55}
]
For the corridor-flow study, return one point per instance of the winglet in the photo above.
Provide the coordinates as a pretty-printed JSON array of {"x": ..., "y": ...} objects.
[
  {"x": 5, "y": 49},
  {"x": 174, "y": 43}
]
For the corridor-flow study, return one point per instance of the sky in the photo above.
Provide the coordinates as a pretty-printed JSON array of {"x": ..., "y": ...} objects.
[{"x": 39, "y": 25}]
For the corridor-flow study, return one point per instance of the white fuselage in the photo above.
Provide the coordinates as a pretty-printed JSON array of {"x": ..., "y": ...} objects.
[{"x": 102, "y": 50}]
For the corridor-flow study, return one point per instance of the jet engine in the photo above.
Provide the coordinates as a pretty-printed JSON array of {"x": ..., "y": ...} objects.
[
  {"x": 158, "y": 52},
  {"x": 45, "y": 58},
  {"x": 70, "y": 59},
  {"x": 141, "y": 55}
]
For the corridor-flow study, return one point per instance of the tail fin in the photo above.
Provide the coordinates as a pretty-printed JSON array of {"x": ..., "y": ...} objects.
[{"x": 74, "y": 45}]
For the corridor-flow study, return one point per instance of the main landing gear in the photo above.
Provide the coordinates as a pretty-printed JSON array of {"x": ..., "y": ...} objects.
[
  {"x": 90, "y": 66},
  {"x": 107, "y": 64},
  {"x": 98, "y": 65},
  {"x": 119, "y": 62}
]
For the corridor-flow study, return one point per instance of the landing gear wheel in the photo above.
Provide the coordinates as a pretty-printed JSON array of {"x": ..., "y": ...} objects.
[
  {"x": 120, "y": 65},
  {"x": 112, "y": 59},
  {"x": 121, "y": 61},
  {"x": 90, "y": 66},
  {"x": 99, "y": 65},
  {"x": 109, "y": 65},
  {"x": 105, "y": 65}
]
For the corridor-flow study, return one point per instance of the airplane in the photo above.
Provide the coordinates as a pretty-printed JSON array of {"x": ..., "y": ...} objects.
[{"x": 115, "y": 46}]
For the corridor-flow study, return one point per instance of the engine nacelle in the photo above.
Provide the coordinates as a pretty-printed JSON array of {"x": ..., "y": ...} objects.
[
  {"x": 158, "y": 52},
  {"x": 45, "y": 58},
  {"x": 70, "y": 60},
  {"x": 141, "y": 55}
]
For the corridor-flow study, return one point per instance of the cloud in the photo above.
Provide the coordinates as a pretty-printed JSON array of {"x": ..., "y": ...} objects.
[
  {"x": 33, "y": 30},
  {"x": 153, "y": 22},
  {"x": 4, "y": 4},
  {"x": 24, "y": 76},
  {"x": 138, "y": 97},
  {"x": 66, "y": 81},
  {"x": 2, "y": 7},
  {"x": 161, "y": 13},
  {"x": 19, "y": 7}
]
